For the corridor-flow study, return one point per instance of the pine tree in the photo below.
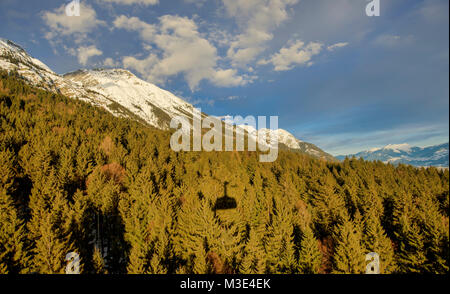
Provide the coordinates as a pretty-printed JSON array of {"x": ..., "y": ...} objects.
[
  {"x": 411, "y": 252},
  {"x": 13, "y": 254},
  {"x": 7, "y": 170},
  {"x": 279, "y": 243},
  {"x": 198, "y": 233},
  {"x": 82, "y": 229},
  {"x": 310, "y": 257},
  {"x": 49, "y": 227},
  {"x": 254, "y": 260},
  {"x": 196, "y": 228},
  {"x": 329, "y": 205},
  {"x": 98, "y": 262},
  {"x": 375, "y": 240},
  {"x": 147, "y": 219},
  {"x": 349, "y": 256},
  {"x": 435, "y": 237}
]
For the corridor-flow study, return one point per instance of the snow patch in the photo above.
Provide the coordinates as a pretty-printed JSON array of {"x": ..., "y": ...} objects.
[{"x": 398, "y": 147}]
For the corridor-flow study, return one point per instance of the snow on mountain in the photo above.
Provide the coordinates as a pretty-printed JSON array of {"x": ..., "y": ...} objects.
[
  {"x": 15, "y": 58},
  {"x": 283, "y": 136},
  {"x": 148, "y": 102},
  {"x": 437, "y": 155},
  {"x": 287, "y": 140},
  {"x": 116, "y": 90},
  {"x": 123, "y": 94},
  {"x": 398, "y": 148}
]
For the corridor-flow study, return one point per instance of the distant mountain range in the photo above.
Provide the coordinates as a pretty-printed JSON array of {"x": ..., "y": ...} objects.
[
  {"x": 403, "y": 153},
  {"x": 123, "y": 94}
]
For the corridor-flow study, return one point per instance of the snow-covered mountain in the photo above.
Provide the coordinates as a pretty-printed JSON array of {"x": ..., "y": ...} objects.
[
  {"x": 146, "y": 101},
  {"x": 121, "y": 93},
  {"x": 403, "y": 153},
  {"x": 117, "y": 90},
  {"x": 283, "y": 136},
  {"x": 287, "y": 141}
]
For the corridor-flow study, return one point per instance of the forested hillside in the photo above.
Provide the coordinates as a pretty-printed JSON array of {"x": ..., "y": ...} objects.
[{"x": 74, "y": 178}]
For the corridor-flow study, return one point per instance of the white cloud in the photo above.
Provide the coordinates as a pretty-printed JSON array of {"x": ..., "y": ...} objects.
[
  {"x": 142, "y": 66},
  {"x": 231, "y": 98},
  {"x": 146, "y": 31},
  {"x": 79, "y": 26},
  {"x": 296, "y": 54},
  {"x": 218, "y": 36},
  {"x": 109, "y": 62},
  {"x": 184, "y": 51},
  {"x": 228, "y": 78},
  {"x": 131, "y": 2},
  {"x": 387, "y": 40},
  {"x": 257, "y": 20},
  {"x": 336, "y": 46},
  {"x": 84, "y": 53}
]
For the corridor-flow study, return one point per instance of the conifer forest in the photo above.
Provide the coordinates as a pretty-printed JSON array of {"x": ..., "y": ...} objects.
[{"x": 75, "y": 178}]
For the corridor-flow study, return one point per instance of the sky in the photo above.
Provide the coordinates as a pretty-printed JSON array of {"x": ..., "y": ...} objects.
[{"x": 334, "y": 76}]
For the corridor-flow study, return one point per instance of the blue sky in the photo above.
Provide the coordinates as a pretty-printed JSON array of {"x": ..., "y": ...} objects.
[{"x": 334, "y": 76}]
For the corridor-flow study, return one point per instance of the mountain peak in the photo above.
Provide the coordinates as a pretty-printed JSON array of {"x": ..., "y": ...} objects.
[
  {"x": 398, "y": 147},
  {"x": 8, "y": 44},
  {"x": 113, "y": 71},
  {"x": 287, "y": 140},
  {"x": 130, "y": 95},
  {"x": 436, "y": 155},
  {"x": 100, "y": 71}
]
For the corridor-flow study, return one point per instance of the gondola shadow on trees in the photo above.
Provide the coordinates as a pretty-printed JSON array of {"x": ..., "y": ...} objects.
[{"x": 225, "y": 202}]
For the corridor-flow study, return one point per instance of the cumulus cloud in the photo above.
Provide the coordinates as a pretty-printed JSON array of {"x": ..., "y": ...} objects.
[
  {"x": 84, "y": 53},
  {"x": 218, "y": 36},
  {"x": 184, "y": 51},
  {"x": 131, "y": 2},
  {"x": 62, "y": 25},
  {"x": 143, "y": 66},
  {"x": 145, "y": 30},
  {"x": 228, "y": 78},
  {"x": 257, "y": 20},
  {"x": 336, "y": 46},
  {"x": 65, "y": 29},
  {"x": 109, "y": 62},
  {"x": 296, "y": 54}
]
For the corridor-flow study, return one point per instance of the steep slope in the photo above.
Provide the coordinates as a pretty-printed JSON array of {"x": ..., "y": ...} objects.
[
  {"x": 122, "y": 94},
  {"x": 15, "y": 58},
  {"x": 146, "y": 101},
  {"x": 117, "y": 90},
  {"x": 403, "y": 153}
]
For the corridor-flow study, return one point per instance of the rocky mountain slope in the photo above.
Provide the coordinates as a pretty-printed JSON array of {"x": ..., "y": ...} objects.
[
  {"x": 121, "y": 93},
  {"x": 146, "y": 101},
  {"x": 288, "y": 141}
]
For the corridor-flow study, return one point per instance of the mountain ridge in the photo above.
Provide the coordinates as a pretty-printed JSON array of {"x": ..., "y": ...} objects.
[
  {"x": 436, "y": 155},
  {"x": 121, "y": 93}
]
